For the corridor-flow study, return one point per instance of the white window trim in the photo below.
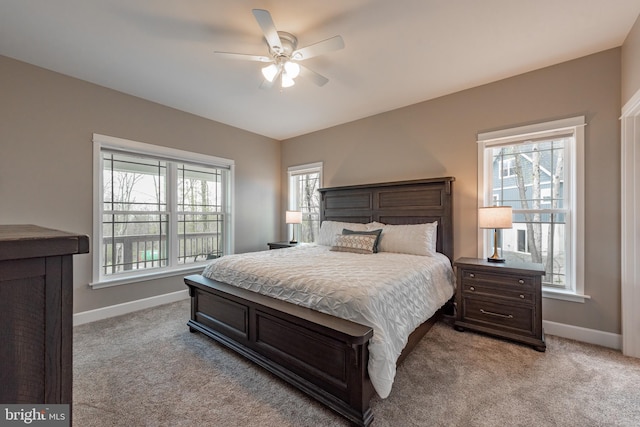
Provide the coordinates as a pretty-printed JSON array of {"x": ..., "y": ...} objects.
[
  {"x": 306, "y": 168},
  {"x": 101, "y": 142},
  {"x": 630, "y": 226},
  {"x": 557, "y": 127}
]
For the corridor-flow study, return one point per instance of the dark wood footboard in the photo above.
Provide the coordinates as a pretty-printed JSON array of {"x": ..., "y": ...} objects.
[{"x": 324, "y": 356}]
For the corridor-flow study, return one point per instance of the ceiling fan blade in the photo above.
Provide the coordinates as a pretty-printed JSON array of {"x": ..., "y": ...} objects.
[
  {"x": 324, "y": 46},
  {"x": 268, "y": 28},
  {"x": 243, "y": 56},
  {"x": 318, "y": 79}
]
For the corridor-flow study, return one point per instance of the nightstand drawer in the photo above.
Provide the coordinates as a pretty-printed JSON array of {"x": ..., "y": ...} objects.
[
  {"x": 473, "y": 288},
  {"x": 493, "y": 313},
  {"x": 517, "y": 282}
]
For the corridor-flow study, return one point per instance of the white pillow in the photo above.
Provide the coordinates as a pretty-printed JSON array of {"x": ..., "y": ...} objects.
[
  {"x": 329, "y": 229},
  {"x": 414, "y": 239}
]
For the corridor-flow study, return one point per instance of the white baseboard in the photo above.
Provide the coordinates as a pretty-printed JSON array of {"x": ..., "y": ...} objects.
[
  {"x": 128, "y": 307},
  {"x": 591, "y": 336}
]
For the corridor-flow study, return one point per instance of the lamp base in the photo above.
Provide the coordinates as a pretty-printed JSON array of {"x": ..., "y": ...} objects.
[
  {"x": 495, "y": 259},
  {"x": 293, "y": 242}
]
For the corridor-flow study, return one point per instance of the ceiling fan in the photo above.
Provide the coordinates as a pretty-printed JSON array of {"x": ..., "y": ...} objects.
[{"x": 284, "y": 55}]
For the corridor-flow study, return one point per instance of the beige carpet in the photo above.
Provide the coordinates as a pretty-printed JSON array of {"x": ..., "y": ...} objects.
[{"x": 146, "y": 369}]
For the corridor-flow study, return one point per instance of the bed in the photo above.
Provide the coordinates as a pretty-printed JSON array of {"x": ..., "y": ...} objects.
[{"x": 325, "y": 356}]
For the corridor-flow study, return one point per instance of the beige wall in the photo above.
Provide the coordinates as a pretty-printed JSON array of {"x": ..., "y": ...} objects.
[
  {"x": 47, "y": 121},
  {"x": 46, "y": 126},
  {"x": 631, "y": 63},
  {"x": 438, "y": 138}
]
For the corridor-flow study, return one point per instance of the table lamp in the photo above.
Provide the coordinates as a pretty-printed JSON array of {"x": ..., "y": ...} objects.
[
  {"x": 495, "y": 217},
  {"x": 293, "y": 217}
]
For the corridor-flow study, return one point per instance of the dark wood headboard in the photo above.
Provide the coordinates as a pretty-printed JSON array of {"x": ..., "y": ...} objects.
[{"x": 403, "y": 202}]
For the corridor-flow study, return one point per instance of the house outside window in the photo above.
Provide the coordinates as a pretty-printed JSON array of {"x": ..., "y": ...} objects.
[
  {"x": 544, "y": 187},
  {"x": 507, "y": 169},
  {"x": 157, "y": 210},
  {"x": 304, "y": 183}
]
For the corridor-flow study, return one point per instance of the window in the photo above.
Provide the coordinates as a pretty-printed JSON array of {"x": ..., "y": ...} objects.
[
  {"x": 157, "y": 210},
  {"x": 304, "y": 182},
  {"x": 507, "y": 168},
  {"x": 522, "y": 240},
  {"x": 538, "y": 171}
]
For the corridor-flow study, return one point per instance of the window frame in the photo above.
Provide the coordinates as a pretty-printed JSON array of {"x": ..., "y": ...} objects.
[
  {"x": 102, "y": 143},
  {"x": 304, "y": 169},
  {"x": 574, "y": 182}
]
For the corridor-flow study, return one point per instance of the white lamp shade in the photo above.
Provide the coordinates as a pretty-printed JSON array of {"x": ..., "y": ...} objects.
[
  {"x": 269, "y": 72},
  {"x": 495, "y": 217},
  {"x": 292, "y": 69},
  {"x": 287, "y": 81},
  {"x": 293, "y": 217}
]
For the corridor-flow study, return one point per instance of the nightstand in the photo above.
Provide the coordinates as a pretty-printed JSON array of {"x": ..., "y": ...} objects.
[
  {"x": 280, "y": 245},
  {"x": 501, "y": 299}
]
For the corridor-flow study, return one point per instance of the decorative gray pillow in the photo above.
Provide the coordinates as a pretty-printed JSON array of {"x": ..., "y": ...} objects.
[
  {"x": 356, "y": 243},
  {"x": 373, "y": 232}
]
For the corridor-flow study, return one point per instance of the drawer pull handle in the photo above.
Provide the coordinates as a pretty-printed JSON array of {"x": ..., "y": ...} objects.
[
  {"x": 521, "y": 296},
  {"x": 472, "y": 288},
  {"x": 472, "y": 275},
  {"x": 521, "y": 281},
  {"x": 490, "y": 313}
]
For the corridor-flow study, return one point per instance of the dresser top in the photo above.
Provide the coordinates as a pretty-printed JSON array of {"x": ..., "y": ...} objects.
[{"x": 19, "y": 241}]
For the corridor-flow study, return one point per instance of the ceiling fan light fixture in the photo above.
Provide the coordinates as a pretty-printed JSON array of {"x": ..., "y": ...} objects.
[
  {"x": 287, "y": 81},
  {"x": 283, "y": 55},
  {"x": 269, "y": 72},
  {"x": 292, "y": 69}
]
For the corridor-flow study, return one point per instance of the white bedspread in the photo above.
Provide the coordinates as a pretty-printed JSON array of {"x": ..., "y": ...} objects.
[{"x": 393, "y": 293}]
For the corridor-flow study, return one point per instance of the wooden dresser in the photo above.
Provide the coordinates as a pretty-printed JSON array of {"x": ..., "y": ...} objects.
[
  {"x": 36, "y": 308},
  {"x": 502, "y": 299}
]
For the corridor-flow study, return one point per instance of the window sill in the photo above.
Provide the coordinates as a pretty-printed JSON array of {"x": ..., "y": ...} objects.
[
  {"x": 106, "y": 283},
  {"x": 564, "y": 295}
]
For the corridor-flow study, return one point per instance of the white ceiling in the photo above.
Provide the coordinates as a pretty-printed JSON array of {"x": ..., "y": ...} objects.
[{"x": 397, "y": 52}]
